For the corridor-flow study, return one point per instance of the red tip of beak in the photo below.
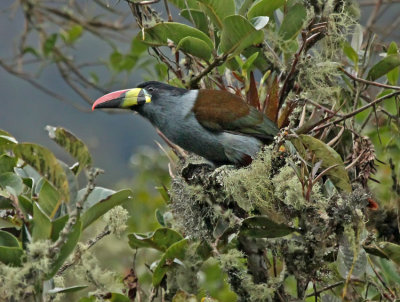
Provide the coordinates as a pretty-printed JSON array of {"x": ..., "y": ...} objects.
[{"x": 108, "y": 97}]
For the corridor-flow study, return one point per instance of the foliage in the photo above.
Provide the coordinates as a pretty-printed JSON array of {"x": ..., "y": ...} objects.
[
  {"x": 293, "y": 222},
  {"x": 300, "y": 220},
  {"x": 43, "y": 214}
]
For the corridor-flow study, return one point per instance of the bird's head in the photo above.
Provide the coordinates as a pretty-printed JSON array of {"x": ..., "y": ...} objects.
[{"x": 151, "y": 92}]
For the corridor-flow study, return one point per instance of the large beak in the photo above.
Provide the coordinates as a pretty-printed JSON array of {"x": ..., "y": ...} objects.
[{"x": 123, "y": 99}]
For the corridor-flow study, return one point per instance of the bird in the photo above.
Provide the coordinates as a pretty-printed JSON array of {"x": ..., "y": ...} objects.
[{"x": 215, "y": 124}]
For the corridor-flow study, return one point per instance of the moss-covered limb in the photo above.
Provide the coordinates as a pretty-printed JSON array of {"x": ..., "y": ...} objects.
[{"x": 204, "y": 200}]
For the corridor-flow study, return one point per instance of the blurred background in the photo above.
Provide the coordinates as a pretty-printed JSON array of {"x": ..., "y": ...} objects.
[{"x": 112, "y": 137}]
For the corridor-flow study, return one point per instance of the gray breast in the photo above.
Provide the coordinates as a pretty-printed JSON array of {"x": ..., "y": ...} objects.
[{"x": 175, "y": 118}]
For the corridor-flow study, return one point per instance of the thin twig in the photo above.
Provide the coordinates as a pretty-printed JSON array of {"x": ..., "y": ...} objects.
[
  {"x": 78, "y": 255},
  {"x": 323, "y": 108},
  {"x": 196, "y": 79},
  {"x": 325, "y": 288},
  {"x": 374, "y": 14},
  {"x": 392, "y": 295},
  {"x": 168, "y": 11},
  {"x": 368, "y": 82},
  {"x": 145, "y": 2},
  {"x": 34, "y": 83},
  {"x": 346, "y": 116}
]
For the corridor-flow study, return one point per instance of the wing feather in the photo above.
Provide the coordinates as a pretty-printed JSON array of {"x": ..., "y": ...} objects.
[{"x": 219, "y": 110}]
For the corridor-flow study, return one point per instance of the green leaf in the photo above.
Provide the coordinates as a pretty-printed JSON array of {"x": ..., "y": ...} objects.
[
  {"x": 259, "y": 22},
  {"x": 350, "y": 53},
  {"x": 195, "y": 47},
  {"x": 383, "y": 67},
  {"x": 263, "y": 227},
  {"x": 49, "y": 199},
  {"x": 6, "y": 139},
  {"x": 175, "y": 251},
  {"x": 159, "y": 34},
  {"x": 71, "y": 289},
  {"x": 261, "y": 61},
  {"x": 49, "y": 44},
  {"x": 115, "y": 297},
  {"x": 181, "y": 4},
  {"x": 7, "y": 239},
  {"x": 249, "y": 62},
  {"x": 97, "y": 194},
  {"x": 242, "y": 6},
  {"x": 393, "y": 75},
  {"x": 160, "y": 239},
  {"x": 293, "y": 22},
  {"x": 104, "y": 205},
  {"x": 32, "y": 51},
  {"x": 164, "y": 193},
  {"x": 391, "y": 251},
  {"x": 351, "y": 259},
  {"x": 41, "y": 228},
  {"x": 72, "y": 145},
  {"x": 88, "y": 299},
  {"x": 29, "y": 176},
  {"x": 329, "y": 158},
  {"x": 137, "y": 47},
  {"x": 67, "y": 248},
  {"x": 26, "y": 204},
  {"x": 160, "y": 217},
  {"x": 73, "y": 34},
  {"x": 44, "y": 161},
  {"x": 12, "y": 183},
  {"x": 72, "y": 182},
  {"x": 214, "y": 282},
  {"x": 264, "y": 8},
  {"x": 57, "y": 225},
  {"x": 389, "y": 270},
  {"x": 115, "y": 60},
  {"x": 10, "y": 249},
  {"x": 11, "y": 255},
  {"x": 218, "y": 10},
  {"x": 5, "y": 202},
  {"x": 238, "y": 34},
  {"x": 199, "y": 19},
  {"x": 7, "y": 163}
]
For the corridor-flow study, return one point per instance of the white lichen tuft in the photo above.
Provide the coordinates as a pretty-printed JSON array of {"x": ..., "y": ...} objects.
[
  {"x": 288, "y": 187},
  {"x": 14, "y": 283},
  {"x": 38, "y": 255},
  {"x": 116, "y": 220},
  {"x": 251, "y": 186},
  {"x": 90, "y": 271}
]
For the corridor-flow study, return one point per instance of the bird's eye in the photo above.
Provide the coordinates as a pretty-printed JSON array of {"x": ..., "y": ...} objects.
[{"x": 150, "y": 89}]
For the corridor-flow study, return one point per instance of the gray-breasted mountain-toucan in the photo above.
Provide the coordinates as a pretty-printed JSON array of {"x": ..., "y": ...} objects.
[{"x": 214, "y": 124}]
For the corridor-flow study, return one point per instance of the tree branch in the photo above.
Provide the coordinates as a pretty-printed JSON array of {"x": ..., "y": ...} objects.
[
  {"x": 346, "y": 116},
  {"x": 196, "y": 79},
  {"x": 355, "y": 78}
]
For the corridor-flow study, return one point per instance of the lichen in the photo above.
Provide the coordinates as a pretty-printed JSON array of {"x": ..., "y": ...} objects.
[
  {"x": 288, "y": 188},
  {"x": 323, "y": 86},
  {"x": 191, "y": 208},
  {"x": 251, "y": 187},
  {"x": 20, "y": 283},
  {"x": 116, "y": 220},
  {"x": 234, "y": 263},
  {"x": 89, "y": 270}
]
